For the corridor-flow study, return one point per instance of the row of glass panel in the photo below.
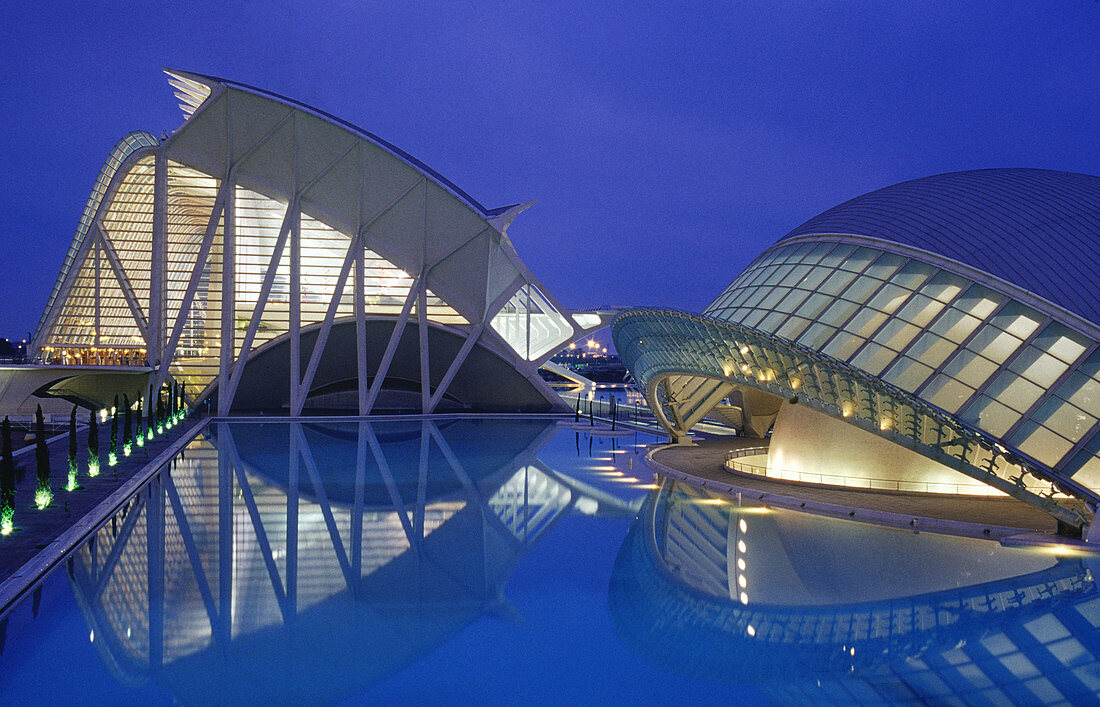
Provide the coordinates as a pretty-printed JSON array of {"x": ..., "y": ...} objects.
[
  {"x": 122, "y": 150},
  {"x": 191, "y": 197},
  {"x": 962, "y": 346}
]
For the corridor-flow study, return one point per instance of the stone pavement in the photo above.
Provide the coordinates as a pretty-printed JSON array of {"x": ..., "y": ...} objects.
[{"x": 35, "y": 529}]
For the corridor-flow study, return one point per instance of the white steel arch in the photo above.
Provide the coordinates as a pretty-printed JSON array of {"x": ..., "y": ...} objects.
[{"x": 259, "y": 217}]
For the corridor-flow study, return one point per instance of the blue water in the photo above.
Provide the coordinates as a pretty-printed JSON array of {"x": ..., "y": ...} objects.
[{"x": 529, "y": 563}]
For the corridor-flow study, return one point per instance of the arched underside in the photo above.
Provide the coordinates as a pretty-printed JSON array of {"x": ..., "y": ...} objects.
[
  {"x": 687, "y": 364},
  {"x": 485, "y": 382}
]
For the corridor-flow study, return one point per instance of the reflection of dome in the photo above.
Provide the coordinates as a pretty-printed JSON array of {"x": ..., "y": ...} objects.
[
  {"x": 334, "y": 446},
  {"x": 671, "y": 599},
  {"x": 321, "y": 606}
]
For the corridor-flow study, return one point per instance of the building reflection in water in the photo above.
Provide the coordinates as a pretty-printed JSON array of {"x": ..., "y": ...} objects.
[
  {"x": 816, "y": 610},
  {"x": 293, "y": 561}
]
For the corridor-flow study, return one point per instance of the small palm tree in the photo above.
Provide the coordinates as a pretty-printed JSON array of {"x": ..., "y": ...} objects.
[
  {"x": 93, "y": 445},
  {"x": 43, "y": 494},
  {"x": 139, "y": 438},
  {"x": 128, "y": 427},
  {"x": 7, "y": 480},
  {"x": 72, "y": 485},
  {"x": 112, "y": 451}
]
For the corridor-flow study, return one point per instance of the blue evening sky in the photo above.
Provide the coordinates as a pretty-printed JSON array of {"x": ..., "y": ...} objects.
[{"x": 666, "y": 143}]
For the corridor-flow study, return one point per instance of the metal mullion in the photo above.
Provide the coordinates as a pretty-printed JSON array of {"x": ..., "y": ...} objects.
[
  {"x": 859, "y": 308},
  {"x": 1070, "y": 370},
  {"x": 1002, "y": 366}
]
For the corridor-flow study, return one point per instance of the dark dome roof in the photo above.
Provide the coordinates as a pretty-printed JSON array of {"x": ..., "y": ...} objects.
[{"x": 1036, "y": 228}]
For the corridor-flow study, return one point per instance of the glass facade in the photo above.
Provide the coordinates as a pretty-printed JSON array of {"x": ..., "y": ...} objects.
[
  {"x": 313, "y": 203},
  {"x": 965, "y": 348}
]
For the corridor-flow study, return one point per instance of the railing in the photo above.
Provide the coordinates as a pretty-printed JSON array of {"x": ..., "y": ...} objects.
[
  {"x": 624, "y": 412},
  {"x": 660, "y": 344},
  {"x": 860, "y": 482}
]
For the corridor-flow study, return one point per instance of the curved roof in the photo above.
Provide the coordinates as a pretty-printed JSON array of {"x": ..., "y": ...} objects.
[
  {"x": 388, "y": 146},
  {"x": 1036, "y": 228}
]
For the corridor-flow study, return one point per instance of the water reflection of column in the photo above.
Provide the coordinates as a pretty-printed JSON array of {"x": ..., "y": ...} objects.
[
  {"x": 292, "y": 525},
  {"x": 225, "y": 540},
  {"x": 422, "y": 483},
  {"x": 154, "y": 548},
  {"x": 357, "y": 503},
  {"x": 326, "y": 509},
  {"x": 391, "y": 486}
]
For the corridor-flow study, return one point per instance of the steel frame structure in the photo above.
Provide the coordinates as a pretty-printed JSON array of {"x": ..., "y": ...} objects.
[
  {"x": 261, "y": 217},
  {"x": 686, "y": 363}
]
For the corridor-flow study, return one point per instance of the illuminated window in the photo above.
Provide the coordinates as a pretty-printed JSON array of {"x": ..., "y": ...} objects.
[
  {"x": 1040, "y": 443},
  {"x": 991, "y": 415},
  {"x": 908, "y": 374},
  {"x": 947, "y": 393},
  {"x": 931, "y": 349},
  {"x": 920, "y": 310}
]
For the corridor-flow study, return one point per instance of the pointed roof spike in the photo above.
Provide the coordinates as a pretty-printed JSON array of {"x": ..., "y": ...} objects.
[{"x": 502, "y": 218}]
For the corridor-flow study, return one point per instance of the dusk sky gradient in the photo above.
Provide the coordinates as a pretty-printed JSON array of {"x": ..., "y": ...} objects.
[{"x": 667, "y": 144}]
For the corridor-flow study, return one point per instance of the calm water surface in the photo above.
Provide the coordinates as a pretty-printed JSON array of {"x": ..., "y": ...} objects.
[{"x": 513, "y": 561}]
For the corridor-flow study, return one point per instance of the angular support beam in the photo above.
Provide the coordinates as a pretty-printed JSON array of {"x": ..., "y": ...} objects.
[
  {"x": 157, "y": 258},
  {"x": 391, "y": 486},
  {"x": 257, "y": 525},
  {"x": 118, "y": 547},
  {"x": 391, "y": 347},
  {"x": 720, "y": 390},
  {"x": 295, "y": 323},
  {"x": 422, "y": 336},
  {"x": 228, "y": 340},
  {"x": 123, "y": 283},
  {"x": 326, "y": 327},
  {"x": 192, "y": 551},
  {"x": 192, "y": 287},
  {"x": 471, "y": 338},
  {"x": 261, "y": 304},
  {"x": 361, "y": 329},
  {"x": 326, "y": 510}
]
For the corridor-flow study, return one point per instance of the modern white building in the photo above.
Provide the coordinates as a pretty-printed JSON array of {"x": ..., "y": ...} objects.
[
  {"x": 272, "y": 256},
  {"x": 935, "y": 330}
]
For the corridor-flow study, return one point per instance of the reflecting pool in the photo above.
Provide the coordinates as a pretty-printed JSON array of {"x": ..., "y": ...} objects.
[{"x": 522, "y": 560}]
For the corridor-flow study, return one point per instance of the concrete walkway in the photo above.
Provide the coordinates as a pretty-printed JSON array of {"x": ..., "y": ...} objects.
[
  {"x": 994, "y": 517},
  {"x": 35, "y": 529}
]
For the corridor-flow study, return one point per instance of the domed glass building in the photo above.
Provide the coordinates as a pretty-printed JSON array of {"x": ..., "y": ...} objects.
[{"x": 953, "y": 315}]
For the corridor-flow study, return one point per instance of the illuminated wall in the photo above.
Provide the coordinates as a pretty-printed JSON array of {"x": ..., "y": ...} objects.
[{"x": 260, "y": 218}]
